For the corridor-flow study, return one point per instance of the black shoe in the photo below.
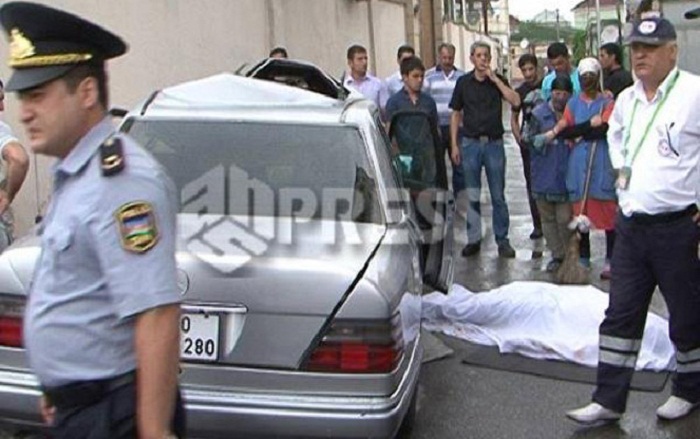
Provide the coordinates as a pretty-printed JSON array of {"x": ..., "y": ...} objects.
[
  {"x": 536, "y": 234},
  {"x": 471, "y": 249},
  {"x": 506, "y": 251}
]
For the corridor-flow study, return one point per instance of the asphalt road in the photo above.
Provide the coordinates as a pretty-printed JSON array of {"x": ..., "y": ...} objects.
[{"x": 462, "y": 401}]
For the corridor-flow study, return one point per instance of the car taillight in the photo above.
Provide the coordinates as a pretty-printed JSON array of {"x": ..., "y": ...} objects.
[
  {"x": 11, "y": 311},
  {"x": 358, "y": 346}
]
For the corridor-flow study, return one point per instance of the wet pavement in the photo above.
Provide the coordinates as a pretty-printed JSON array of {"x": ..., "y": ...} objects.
[{"x": 462, "y": 401}]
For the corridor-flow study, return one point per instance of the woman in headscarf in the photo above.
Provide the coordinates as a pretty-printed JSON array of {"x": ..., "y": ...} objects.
[{"x": 586, "y": 120}]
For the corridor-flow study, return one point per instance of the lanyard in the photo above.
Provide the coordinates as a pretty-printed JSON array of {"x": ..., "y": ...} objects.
[{"x": 625, "y": 150}]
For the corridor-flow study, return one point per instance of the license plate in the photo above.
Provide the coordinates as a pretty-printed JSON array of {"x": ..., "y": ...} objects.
[{"x": 199, "y": 337}]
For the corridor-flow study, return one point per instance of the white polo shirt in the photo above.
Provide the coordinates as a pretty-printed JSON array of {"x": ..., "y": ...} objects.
[{"x": 666, "y": 171}]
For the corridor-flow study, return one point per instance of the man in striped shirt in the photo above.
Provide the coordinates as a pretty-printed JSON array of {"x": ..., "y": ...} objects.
[{"x": 439, "y": 83}]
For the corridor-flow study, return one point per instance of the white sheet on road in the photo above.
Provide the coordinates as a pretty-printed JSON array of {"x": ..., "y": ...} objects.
[{"x": 539, "y": 320}]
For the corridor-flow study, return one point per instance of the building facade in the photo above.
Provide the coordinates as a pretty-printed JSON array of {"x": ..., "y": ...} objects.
[
  {"x": 463, "y": 22},
  {"x": 172, "y": 41},
  {"x": 585, "y": 12}
]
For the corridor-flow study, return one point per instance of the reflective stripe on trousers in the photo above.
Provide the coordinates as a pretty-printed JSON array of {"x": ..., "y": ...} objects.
[
  {"x": 688, "y": 362},
  {"x": 647, "y": 256}
]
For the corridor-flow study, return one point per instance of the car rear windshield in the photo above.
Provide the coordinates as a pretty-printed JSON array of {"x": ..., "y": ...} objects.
[{"x": 270, "y": 169}]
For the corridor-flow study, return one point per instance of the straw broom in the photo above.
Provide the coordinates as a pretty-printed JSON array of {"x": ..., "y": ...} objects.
[{"x": 571, "y": 271}]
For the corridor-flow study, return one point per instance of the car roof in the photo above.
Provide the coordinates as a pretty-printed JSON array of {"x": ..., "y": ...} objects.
[
  {"x": 299, "y": 73},
  {"x": 229, "y": 96}
]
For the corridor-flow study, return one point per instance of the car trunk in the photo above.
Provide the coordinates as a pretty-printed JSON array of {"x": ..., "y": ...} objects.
[{"x": 261, "y": 302}]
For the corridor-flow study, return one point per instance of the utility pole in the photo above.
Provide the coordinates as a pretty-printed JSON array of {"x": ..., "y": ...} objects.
[
  {"x": 598, "y": 24},
  {"x": 599, "y": 31},
  {"x": 485, "y": 13},
  {"x": 558, "y": 37}
]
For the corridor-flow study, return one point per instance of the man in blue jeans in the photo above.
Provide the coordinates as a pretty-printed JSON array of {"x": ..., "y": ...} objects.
[{"x": 478, "y": 102}]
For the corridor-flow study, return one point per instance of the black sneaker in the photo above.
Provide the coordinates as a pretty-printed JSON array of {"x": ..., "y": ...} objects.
[
  {"x": 536, "y": 234},
  {"x": 506, "y": 251},
  {"x": 471, "y": 249}
]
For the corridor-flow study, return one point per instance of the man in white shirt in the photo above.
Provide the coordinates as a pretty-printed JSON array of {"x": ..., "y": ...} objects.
[
  {"x": 357, "y": 78},
  {"x": 394, "y": 83},
  {"x": 13, "y": 170},
  {"x": 654, "y": 139}
]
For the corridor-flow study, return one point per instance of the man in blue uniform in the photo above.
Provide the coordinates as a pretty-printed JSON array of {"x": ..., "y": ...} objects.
[{"x": 101, "y": 328}]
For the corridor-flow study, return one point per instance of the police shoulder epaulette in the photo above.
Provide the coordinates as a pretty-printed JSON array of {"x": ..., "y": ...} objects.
[{"x": 112, "y": 156}]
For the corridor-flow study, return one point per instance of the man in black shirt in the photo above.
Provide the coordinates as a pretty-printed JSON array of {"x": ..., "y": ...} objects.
[
  {"x": 477, "y": 101},
  {"x": 529, "y": 97},
  {"x": 615, "y": 77}
]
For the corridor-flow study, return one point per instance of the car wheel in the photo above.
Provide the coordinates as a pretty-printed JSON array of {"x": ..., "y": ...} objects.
[{"x": 409, "y": 420}]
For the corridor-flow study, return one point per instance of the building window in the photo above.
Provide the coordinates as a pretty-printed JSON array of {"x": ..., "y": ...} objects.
[{"x": 459, "y": 11}]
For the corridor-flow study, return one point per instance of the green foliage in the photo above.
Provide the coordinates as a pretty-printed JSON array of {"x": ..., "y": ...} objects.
[
  {"x": 541, "y": 33},
  {"x": 579, "y": 46}
]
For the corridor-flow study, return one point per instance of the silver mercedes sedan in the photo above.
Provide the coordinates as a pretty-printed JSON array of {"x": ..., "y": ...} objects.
[{"x": 306, "y": 237}]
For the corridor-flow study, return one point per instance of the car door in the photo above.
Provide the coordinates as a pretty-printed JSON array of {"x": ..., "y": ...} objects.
[{"x": 421, "y": 163}]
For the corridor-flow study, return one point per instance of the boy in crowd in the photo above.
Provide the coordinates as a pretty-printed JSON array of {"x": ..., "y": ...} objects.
[{"x": 529, "y": 97}]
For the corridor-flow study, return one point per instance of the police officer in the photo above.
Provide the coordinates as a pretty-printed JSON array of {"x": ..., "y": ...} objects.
[
  {"x": 101, "y": 328},
  {"x": 654, "y": 136}
]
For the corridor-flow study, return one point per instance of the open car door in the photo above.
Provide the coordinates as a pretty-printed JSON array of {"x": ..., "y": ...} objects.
[{"x": 421, "y": 161}]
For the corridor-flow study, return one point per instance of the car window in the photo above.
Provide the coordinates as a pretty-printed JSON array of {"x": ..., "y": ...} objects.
[
  {"x": 237, "y": 168},
  {"x": 390, "y": 170}
]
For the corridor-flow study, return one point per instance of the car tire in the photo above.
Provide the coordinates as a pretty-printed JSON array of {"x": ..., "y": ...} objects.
[{"x": 409, "y": 420}]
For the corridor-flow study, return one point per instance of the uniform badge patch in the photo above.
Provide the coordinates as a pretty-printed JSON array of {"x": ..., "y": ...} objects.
[
  {"x": 647, "y": 27},
  {"x": 137, "y": 226}
]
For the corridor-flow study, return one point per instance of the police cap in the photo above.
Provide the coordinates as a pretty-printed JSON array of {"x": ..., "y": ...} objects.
[
  {"x": 654, "y": 31},
  {"x": 46, "y": 43}
]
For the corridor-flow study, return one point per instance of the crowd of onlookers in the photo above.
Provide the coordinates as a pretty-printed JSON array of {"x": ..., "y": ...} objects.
[
  {"x": 561, "y": 128},
  {"x": 559, "y": 122}
]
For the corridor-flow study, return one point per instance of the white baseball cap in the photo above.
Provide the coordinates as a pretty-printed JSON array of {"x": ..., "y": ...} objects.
[{"x": 589, "y": 65}]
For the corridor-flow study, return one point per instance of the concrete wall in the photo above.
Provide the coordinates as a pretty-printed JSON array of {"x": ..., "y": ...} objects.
[
  {"x": 177, "y": 40},
  {"x": 463, "y": 39},
  {"x": 455, "y": 30},
  {"x": 389, "y": 34}
]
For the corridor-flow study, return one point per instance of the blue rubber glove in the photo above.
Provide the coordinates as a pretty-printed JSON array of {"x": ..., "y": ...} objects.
[{"x": 539, "y": 141}]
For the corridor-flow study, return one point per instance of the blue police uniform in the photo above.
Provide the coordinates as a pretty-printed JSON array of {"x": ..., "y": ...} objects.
[
  {"x": 108, "y": 254},
  {"x": 108, "y": 239},
  {"x": 91, "y": 278}
]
